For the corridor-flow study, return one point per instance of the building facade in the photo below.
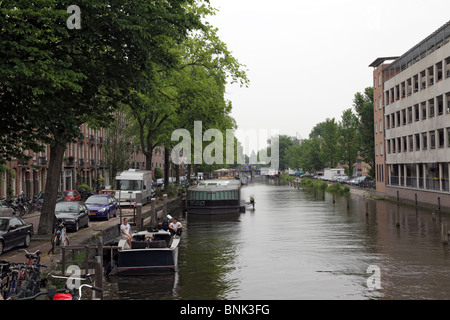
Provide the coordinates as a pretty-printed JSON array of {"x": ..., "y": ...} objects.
[
  {"x": 83, "y": 162},
  {"x": 379, "y": 78},
  {"x": 416, "y": 102}
]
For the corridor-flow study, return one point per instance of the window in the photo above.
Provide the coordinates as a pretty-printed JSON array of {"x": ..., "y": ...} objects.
[
  {"x": 417, "y": 141},
  {"x": 448, "y": 137},
  {"x": 424, "y": 141},
  {"x": 423, "y": 107},
  {"x": 432, "y": 140},
  {"x": 441, "y": 138},
  {"x": 431, "y": 76},
  {"x": 431, "y": 107},
  {"x": 440, "y": 105},
  {"x": 417, "y": 112}
]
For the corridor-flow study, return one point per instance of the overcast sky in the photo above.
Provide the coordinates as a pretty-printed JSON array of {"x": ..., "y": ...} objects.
[{"x": 307, "y": 59}]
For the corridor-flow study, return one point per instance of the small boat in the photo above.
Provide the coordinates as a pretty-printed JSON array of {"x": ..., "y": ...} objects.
[{"x": 154, "y": 250}]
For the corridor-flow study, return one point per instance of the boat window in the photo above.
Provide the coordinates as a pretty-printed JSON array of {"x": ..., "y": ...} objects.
[{"x": 214, "y": 196}]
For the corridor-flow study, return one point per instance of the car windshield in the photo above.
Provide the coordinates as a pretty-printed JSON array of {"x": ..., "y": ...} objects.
[
  {"x": 97, "y": 200},
  {"x": 68, "y": 193},
  {"x": 3, "y": 224},
  {"x": 129, "y": 185},
  {"x": 66, "y": 207}
]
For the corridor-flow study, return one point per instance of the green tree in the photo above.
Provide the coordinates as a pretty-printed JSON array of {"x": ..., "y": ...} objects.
[
  {"x": 349, "y": 142},
  {"x": 363, "y": 103},
  {"x": 311, "y": 155},
  {"x": 193, "y": 91},
  {"x": 66, "y": 77},
  {"x": 330, "y": 148},
  {"x": 293, "y": 156}
]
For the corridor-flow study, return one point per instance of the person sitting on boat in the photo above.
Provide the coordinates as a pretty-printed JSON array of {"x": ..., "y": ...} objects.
[
  {"x": 125, "y": 231},
  {"x": 175, "y": 227}
]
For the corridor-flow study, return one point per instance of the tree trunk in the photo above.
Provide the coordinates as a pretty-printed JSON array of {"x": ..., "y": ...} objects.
[
  {"x": 166, "y": 167},
  {"x": 51, "y": 189},
  {"x": 148, "y": 161}
]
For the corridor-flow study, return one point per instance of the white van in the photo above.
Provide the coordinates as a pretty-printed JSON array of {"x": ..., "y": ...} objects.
[{"x": 132, "y": 182}]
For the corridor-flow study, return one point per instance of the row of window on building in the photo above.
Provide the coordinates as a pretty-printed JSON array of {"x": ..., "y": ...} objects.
[
  {"x": 431, "y": 108},
  {"x": 421, "y": 81},
  {"x": 428, "y": 176},
  {"x": 435, "y": 139}
]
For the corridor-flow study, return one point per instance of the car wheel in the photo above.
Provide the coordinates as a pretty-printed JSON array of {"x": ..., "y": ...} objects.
[
  {"x": 27, "y": 241},
  {"x": 1, "y": 247},
  {"x": 77, "y": 226},
  {"x": 107, "y": 215},
  {"x": 87, "y": 222}
]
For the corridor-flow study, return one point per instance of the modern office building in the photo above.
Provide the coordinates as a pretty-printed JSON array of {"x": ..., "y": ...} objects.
[{"x": 414, "y": 94}]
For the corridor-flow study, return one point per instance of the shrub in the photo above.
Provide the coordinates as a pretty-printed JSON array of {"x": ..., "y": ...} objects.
[{"x": 83, "y": 187}]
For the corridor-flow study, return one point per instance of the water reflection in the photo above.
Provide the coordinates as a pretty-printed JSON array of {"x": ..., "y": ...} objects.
[{"x": 297, "y": 246}]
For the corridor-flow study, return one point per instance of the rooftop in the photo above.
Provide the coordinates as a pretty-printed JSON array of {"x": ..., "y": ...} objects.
[{"x": 431, "y": 43}]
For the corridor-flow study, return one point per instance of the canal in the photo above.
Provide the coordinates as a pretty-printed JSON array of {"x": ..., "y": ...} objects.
[{"x": 296, "y": 246}]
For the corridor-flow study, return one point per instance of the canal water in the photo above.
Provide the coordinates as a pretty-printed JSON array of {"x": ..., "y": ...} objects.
[{"x": 295, "y": 246}]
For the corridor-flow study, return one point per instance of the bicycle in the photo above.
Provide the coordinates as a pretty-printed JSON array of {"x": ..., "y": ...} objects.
[
  {"x": 59, "y": 237},
  {"x": 63, "y": 294},
  {"x": 21, "y": 279},
  {"x": 29, "y": 276}
]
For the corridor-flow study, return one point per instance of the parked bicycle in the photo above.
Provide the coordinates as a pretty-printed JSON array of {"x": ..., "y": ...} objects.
[
  {"x": 59, "y": 237},
  {"x": 21, "y": 279}
]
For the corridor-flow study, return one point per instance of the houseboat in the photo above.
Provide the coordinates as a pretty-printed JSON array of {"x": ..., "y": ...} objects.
[{"x": 219, "y": 196}]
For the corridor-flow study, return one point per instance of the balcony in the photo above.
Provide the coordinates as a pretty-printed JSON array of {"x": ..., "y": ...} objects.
[
  {"x": 81, "y": 162},
  {"x": 70, "y": 162}
]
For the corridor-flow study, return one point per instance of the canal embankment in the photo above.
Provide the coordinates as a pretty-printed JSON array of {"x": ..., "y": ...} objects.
[{"x": 392, "y": 198}]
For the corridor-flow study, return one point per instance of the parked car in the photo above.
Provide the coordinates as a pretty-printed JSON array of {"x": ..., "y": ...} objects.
[
  {"x": 74, "y": 214},
  {"x": 40, "y": 199},
  {"x": 356, "y": 181},
  {"x": 102, "y": 205},
  {"x": 14, "y": 232},
  {"x": 307, "y": 175},
  {"x": 343, "y": 179},
  {"x": 72, "y": 195}
]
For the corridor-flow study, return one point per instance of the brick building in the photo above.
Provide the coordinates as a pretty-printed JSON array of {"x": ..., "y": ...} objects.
[{"x": 83, "y": 162}]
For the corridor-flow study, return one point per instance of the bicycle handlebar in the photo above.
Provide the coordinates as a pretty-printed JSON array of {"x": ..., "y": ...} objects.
[
  {"x": 87, "y": 277},
  {"x": 38, "y": 252}
]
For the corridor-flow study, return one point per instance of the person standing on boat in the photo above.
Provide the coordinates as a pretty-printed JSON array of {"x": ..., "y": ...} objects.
[
  {"x": 125, "y": 230},
  {"x": 175, "y": 227}
]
